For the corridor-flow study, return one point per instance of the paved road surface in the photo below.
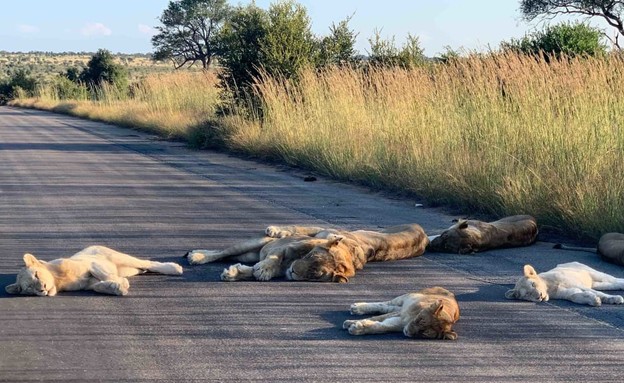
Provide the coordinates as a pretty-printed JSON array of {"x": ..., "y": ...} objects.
[{"x": 66, "y": 183}]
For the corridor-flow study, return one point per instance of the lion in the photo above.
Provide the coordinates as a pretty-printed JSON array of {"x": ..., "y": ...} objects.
[
  {"x": 610, "y": 248},
  {"x": 309, "y": 253},
  {"x": 428, "y": 313},
  {"x": 471, "y": 236},
  {"x": 572, "y": 281},
  {"x": 96, "y": 268}
]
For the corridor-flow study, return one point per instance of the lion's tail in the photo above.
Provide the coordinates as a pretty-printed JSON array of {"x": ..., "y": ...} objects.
[{"x": 574, "y": 248}]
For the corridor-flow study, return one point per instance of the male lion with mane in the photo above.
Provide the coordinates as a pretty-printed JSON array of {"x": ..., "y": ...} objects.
[
  {"x": 96, "y": 268},
  {"x": 471, "y": 236},
  {"x": 571, "y": 281},
  {"x": 307, "y": 253},
  {"x": 429, "y": 313}
]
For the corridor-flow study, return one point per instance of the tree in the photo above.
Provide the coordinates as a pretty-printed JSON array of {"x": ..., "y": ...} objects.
[
  {"x": 384, "y": 52},
  {"x": 288, "y": 44},
  {"x": 102, "y": 68},
  {"x": 339, "y": 46},
  {"x": 240, "y": 44},
  {"x": 609, "y": 10},
  {"x": 189, "y": 31},
  {"x": 562, "y": 39}
]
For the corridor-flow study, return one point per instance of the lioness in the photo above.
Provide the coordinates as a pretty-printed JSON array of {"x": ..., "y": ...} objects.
[
  {"x": 429, "y": 313},
  {"x": 471, "y": 236},
  {"x": 95, "y": 268},
  {"x": 306, "y": 253},
  {"x": 610, "y": 248},
  {"x": 572, "y": 281}
]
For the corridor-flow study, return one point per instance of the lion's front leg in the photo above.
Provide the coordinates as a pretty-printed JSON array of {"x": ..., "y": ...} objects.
[
  {"x": 269, "y": 268},
  {"x": 388, "y": 323},
  {"x": 237, "y": 272},
  {"x": 289, "y": 231}
]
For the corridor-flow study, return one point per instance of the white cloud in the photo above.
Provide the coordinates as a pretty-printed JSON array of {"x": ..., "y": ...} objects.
[
  {"x": 25, "y": 28},
  {"x": 95, "y": 29},
  {"x": 146, "y": 30}
]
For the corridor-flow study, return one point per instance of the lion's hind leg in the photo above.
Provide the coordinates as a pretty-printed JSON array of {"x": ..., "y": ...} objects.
[
  {"x": 361, "y": 308},
  {"x": 119, "y": 287},
  {"x": 608, "y": 298}
]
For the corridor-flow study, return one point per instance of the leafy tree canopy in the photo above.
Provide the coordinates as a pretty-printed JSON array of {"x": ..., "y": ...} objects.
[{"x": 188, "y": 32}]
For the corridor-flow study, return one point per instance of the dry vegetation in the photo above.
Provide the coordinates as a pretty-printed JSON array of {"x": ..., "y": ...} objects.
[{"x": 498, "y": 134}]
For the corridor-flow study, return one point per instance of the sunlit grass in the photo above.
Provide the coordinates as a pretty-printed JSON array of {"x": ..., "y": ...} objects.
[
  {"x": 492, "y": 134},
  {"x": 167, "y": 104}
]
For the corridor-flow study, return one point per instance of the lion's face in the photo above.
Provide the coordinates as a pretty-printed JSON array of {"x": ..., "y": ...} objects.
[
  {"x": 529, "y": 287},
  {"x": 459, "y": 238},
  {"x": 321, "y": 264},
  {"x": 432, "y": 322},
  {"x": 34, "y": 279}
]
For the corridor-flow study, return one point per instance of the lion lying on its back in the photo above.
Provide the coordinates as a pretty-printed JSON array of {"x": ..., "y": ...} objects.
[
  {"x": 307, "y": 253},
  {"x": 471, "y": 236},
  {"x": 95, "y": 268},
  {"x": 430, "y": 313}
]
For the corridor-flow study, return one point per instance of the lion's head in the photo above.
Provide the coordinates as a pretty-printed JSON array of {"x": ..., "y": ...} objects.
[
  {"x": 460, "y": 238},
  {"x": 330, "y": 262},
  {"x": 433, "y": 322},
  {"x": 529, "y": 287},
  {"x": 34, "y": 279}
]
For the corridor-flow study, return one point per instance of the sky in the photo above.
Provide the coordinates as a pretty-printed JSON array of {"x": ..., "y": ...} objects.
[{"x": 127, "y": 25}]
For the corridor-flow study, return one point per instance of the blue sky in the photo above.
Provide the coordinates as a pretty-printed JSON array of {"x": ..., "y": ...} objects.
[{"x": 126, "y": 26}]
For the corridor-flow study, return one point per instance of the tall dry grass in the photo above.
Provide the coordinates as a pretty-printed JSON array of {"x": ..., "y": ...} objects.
[
  {"x": 168, "y": 104},
  {"x": 499, "y": 134}
]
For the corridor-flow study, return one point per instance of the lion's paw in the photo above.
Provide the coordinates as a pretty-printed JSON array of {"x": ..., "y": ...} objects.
[
  {"x": 121, "y": 287},
  {"x": 346, "y": 324},
  {"x": 357, "y": 308},
  {"x": 595, "y": 301},
  {"x": 230, "y": 274},
  {"x": 199, "y": 257},
  {"x": 264, "y": 271},
  {"x": 614, "y": 300},
  {"x": 277, "y": 232},
  {"x": 356, "y": 328}
]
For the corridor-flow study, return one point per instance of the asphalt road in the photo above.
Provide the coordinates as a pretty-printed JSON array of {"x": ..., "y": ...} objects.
[{"x": 67, "y": 183}]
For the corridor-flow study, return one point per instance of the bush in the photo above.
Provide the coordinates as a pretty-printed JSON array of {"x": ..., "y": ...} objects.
[
  {"x": 102, "y": 68},
  {"x": 563, "y": 39},
  {"x": 385, "y": 53},
  {"x": 19, "y": 82}
]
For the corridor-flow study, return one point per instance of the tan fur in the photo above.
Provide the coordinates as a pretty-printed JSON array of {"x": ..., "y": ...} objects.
[
  {"x": 314, "y": 253},
  {"x": 611, "y": 248},
  {"x": 572, "y": 281},
  {"x": 95, "y": 268},
  {"x": 428, "y": 313},
  {"x": 470, "y": 236}
]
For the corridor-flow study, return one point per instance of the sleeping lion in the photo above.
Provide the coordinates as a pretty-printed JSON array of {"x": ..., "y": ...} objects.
[
  {"x": 471, "y": 236},
  {"x": 96, "y": 268},
  {"x": 429, "y": 313},
  {"x": 307, "y": 253},
  {"x": 572, "y": 281},
  {"x": 610, "y": 248}
]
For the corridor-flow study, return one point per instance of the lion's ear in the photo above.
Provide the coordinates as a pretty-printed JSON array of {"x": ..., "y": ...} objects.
[
  {"x": 529, "y": 271},
  {"x": 511, "y": 294},
  {"x": 334, "y": 239},
  {"x": 437, "y": 307},
  {"x": 461, "y": 224},
  {"x": 340, "y": 278},
  {"x": 13, "y": 289},
  {"x": 30, "y": 260}
]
